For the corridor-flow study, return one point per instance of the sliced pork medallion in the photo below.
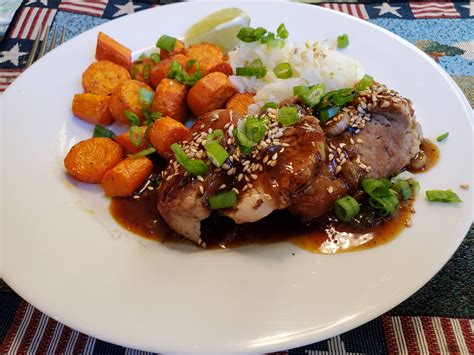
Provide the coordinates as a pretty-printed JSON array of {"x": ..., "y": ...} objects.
[{"x": 380, "y": 137}]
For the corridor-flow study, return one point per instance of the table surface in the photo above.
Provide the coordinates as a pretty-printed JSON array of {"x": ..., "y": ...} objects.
[{"x": 437, "y": 319}]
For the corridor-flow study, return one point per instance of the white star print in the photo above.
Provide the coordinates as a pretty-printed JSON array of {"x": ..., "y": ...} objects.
[
  {"x": 470, "y": 7},
  {"x": 44, "y": 2},
  {"x": 386, "y": 8},
  {"x": 127, "y": 9},
  {"x": 12, "y": 55}
]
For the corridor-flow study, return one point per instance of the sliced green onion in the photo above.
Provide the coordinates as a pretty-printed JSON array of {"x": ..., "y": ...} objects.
[
  {"x": 447, "y": 196},
  {"x": 288, "y": 115},
  {"x": 273, "y": 105},
  {"x": 282, "y": 32},
  {"x": 326, "y": 115},
  {"x": 283, "y": 71},
  {"x": 177, "y": 73},
  {"x": 414, "y": 185},
  {"x": 141, "y": 57},
  {"x": 101, "y": 131},
  {"x": 245, "y": 144},
  {"x": 216, "y": 153},
  {"x": 147, "y": 71},
  {"x": 255, "y": 129},
  {"x": 364, "y": 83},
  {"x": 249, "y": 34},
  {"x": 216, "y": 136},
  {"x": 255, "y": 68},
  {"x": 223, "y": 200},
  {"x": 381, "y": 196},
  {"x": 134, "y": 71},
  {"x": 155, "y": 57},
  {"x": 132, "y": 117},
  {"x": 136, "y": 135},
  {"x": 143, "y": 153},
  {"x": 376, "y": 187},
  {"x": 403, "y": 188},
  {"x": 342, "y": 41},
  {"x": 166, "y": 43},
  {"x": 196, "y": 167},
  {"x": 385, "y": 205},
  {"x": 156, "y": 115},
  {"x": 310, "y": 95},
  {"x": 346, "y": 208},
  {"x": 442, "y": 137},
  {"x": 269, "y": 37},
  {"x": 145, "y": 96}
]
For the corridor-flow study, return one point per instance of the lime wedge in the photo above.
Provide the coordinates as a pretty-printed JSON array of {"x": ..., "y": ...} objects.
[{"x": 220, "y": 27}]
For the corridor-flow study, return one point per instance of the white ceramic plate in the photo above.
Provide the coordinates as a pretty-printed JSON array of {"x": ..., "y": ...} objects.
[{"x": 63, "y": 253}]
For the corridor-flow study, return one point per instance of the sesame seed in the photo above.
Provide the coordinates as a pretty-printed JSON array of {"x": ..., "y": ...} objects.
[
  {"x": 229, "y": 141},
  {"x": 245, "y": 188},
  {"x": 231, "y": 172},
  {"x": 150, "y": 188},
  {"x": 254, "y": 176},
  {"x": 464, "y": 186},
  {"x": 358, "y": 159},
  {"x": 235, "y": 190},
  {"x": 285, "y": 144},
  {"x": 275, "y": 156},
  {"x": 202, "y": 126},
  {"x": 267, "y": 197},
  {"x": 374, "y": 98},
  {"x": 204, "y": 245},
  {"x": 408, "y": 223},
  {"x": 331, "y": 156},
  {"x": 200, "y": 178},
  {"x": 339, "y": 151},
  {"x": 136, "y": 197},
  {"x": 385, "y": 104},
  {"x": 343, "y": 161},
  {"x": 209, "y": 130},
  {"x": 247, "y": 178},
  {"x": 265, "y": 159},
  {"x": 330, "y": 189},
  {"x": 278, "y": 134},
  {"x": 357, "y": 131},
  {"x": 360, "y": 141},
  {"x": 412, "y": 209},
  {"x": 363, "y": 166},
  {"x": 352, "y": 141},
  {"x": 246, "y": 162},
  {"x": 338, "y": 169},
  {"x": 223, "y": 186},
  {"x": 369, "y": 169},
  {"x": 227, "y": 125},
  {"x": 230, "y": 133},
  {"x": 272, "y": 163},
  {"x": 240, "y": 177},
  {"x": 201, "y": 190},
  {"x": 168, "y": 178},
  {"x": 225, "y": 166}
]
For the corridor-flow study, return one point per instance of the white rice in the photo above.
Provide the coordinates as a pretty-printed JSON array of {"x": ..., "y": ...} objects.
[{"x": 312, "y": 63}]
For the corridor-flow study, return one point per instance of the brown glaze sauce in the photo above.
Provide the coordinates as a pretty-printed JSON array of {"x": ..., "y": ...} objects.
[
  {"x": 431, "y": 152},
  {"x": 326, "y": 235}
]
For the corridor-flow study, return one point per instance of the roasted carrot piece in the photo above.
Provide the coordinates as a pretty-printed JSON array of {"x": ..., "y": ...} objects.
[
  {"x": 109, "y": 49},
  {"x": 210, "y": 93},
  {"x": 127, "y": 145},
  {"x": 103, "y": 77},
  {"x": 165, "y": 132},
  {"x": 178, "y": 49},
  {"x": 170, "y": 99},
  {"x": 127, "y": 176},
  {"x": 161, "y": 70},
  {"x": 89, "y": 160},
  {"x": 141, "y": 70},
  {"x": 240, "y": 103},
  {"x": 92, "y": 108},
  {"x": 210, "y": 58},
  {"x": 127, "y": 98}
]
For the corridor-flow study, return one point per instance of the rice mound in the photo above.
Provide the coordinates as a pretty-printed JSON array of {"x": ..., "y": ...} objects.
[{"x": 312, "y": 63}]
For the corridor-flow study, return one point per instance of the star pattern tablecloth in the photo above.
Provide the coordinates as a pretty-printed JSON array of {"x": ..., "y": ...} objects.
[{"x": 437, "y": 319}]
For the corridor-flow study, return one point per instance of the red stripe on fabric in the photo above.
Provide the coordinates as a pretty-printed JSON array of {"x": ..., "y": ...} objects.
[
  {"x": 47, "y": 336},
  {"x": 80, "y": 343},
  {"x": 359, "y": 11},
  {"x": 46, "y": 19},
  {"x": 409, "y": 333},
  {"x": 17, "y": 29},
  {"x": 63, "y": 340},
  {"x": 25, "y": 21},
  {"x": 20, "y": 314},
  {"x": 430, "y": 335},
  {"x": 431, "y": 4},
  {"x": 82, "y": 10},
  {"x": 448, "y": 332},
  {"x": 30, "y": 332},
  {"x": 33, "y": 24},
  {"x": 98, "y": 7},
  {"x": 467, "y": 334},
  {"x": 389, "y": 335}
]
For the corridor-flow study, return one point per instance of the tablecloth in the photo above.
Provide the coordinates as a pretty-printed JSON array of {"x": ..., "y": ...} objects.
[{"x": 437, "y": 319}]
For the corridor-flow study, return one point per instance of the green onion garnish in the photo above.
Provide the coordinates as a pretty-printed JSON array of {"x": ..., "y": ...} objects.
[
  {"x": 310, "y": 95},
  {"x": 255, "y": 68},
  {"x": 245, "y": 144},
  {"x": 223, "y": 200},
  {"x": 364, "y": 83},
  {"x": 166, "y": 43},
  {"x": 403, "y": 188},
  {"x": 143, "y": 153},
  {"x": 145, "y": 96},
  {"x": 141, "y": 57},
  {"x": 326, "y": 115},
  {"x": 255, "y": 129},
  {"x": 273, "y": 105},
  {"x": 283, "y": 71},
  {"x": 134, "y": 71},
  {"x": 101, "y": 131},
  {"x": 346, "y": 208},
  {"x": 216, "y": 153},
  {"x": 282, "y": 32},
  {"x": 195, "y": 167},
  {"x": 442, "y": 137},
  {"x": 288, "y": 115},
  {"x": 381, "y": 196},
  {"x": 177, "y": 73},
  {"x": 414, "y": 185},
  {"x": 132, "y": 117},
  {"x": 147, "y": 71},
  {"x": 447, "y": 196},
  {"x": 155, "y": 57},
  {"x": 136, "y": 135},
  {"x": 249, "y": 34},
  {"x": 342, "y": 41},
  {"x": 216, "y": 136}
]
